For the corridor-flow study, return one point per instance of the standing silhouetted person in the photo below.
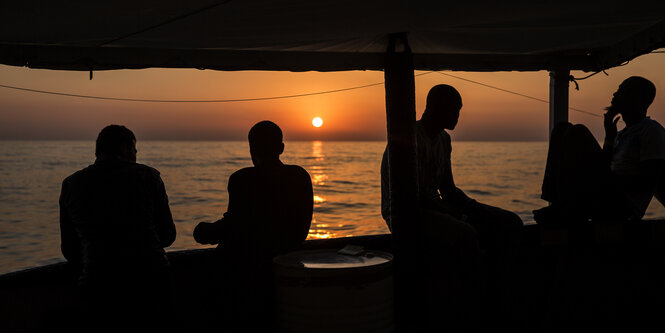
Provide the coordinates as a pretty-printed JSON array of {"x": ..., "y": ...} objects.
[
  {"x": 115, "y": 222},
  {"x": 269, "y": 213},
  {"x": 454, "y": 226},
  {"x": 616, "y": 182}
]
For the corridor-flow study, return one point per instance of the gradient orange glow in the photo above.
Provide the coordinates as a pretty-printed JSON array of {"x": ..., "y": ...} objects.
[{"x": 487, "y": 114}]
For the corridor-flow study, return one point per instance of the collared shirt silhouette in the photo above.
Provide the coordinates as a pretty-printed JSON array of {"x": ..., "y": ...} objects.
[
  {"x": 434, "y": 170},
  {"x": 270, "y": 204},
  {"x": 437, "y": 189},
  {"x": 583, "y": 180},
  {"x": 114, "y": 214},
  {"x": 115, "y": 222}
]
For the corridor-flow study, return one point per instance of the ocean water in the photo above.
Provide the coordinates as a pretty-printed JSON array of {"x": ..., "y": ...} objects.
[{"x": 345, "y": 176}]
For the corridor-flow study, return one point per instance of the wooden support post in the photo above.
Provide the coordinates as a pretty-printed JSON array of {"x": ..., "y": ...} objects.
[
  {"x": 558, "y": 96},
  {"x": 401, "y": 119}
]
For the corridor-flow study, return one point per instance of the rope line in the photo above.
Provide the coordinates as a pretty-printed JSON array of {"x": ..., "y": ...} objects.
[
  {"x": 194, "y": 100},
  {"x": 516, "y": 93},
  {"x": 189, "y": 100},
  {"x": 276, "y": 97}
]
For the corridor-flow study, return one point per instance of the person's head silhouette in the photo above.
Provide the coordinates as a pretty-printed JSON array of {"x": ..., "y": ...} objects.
[
  {"x": 116, "y": 141},
  {"x": 265, "y": 142},
  {"x": 633, "y": 98},
  {"x": 443, "y": 108}
]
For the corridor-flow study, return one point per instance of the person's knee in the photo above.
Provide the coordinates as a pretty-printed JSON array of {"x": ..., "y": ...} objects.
[
  {"x": 496, "y": 216},
  {"x": 512, "y": 220},
  {"x": 448, "y": 231},
  {"x": 577, "y": 133},
  {"x": 560, "y": 128}
]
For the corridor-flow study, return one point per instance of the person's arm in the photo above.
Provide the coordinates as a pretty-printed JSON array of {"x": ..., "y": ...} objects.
[
  {"x": 651, "y": 164},
  {"x": 70, "y": 245},
  {"x": 306, "y": 207},
  {"x": 610, "y": 120},
  {"x": 385, "y": 189},
  {"x": 164, "y": 220},
  {"x": 212, "y": 233},
  {"x": 646, "y": 180},
  {"x": 454, "y": 199},
  {"x": 300, "y": 199}
]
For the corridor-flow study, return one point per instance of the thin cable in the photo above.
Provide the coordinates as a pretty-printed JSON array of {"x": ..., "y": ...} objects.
[
  {"x": 516, "y": 93},
  {"x": 195, "y": 101},
  {"x": 275, "y": 97}
]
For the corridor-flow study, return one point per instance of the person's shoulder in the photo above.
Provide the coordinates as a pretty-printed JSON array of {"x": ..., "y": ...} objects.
[
  {"x": 78, "y": 174},
  {"x": 444, "y": 137},
  {"x": 297, "y": 173},
  {"x": 296, "y": 169},
  {"x": 649, "y": 129},
  {"x": 145, "y": 169},
  {"x": 650, "y": 123},
  {"x": 444, "y": 134},
  {"x": 242, "y": 173}
]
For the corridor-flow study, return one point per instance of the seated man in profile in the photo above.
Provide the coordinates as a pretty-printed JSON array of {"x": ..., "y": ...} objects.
[
  {"x": 115, "y": 222},
  {"x": 269, "y": 213},
  {"x": 438, "y": 193},
  {"x": 616, "y": 182},
  {"x": 455, "y": 228}
]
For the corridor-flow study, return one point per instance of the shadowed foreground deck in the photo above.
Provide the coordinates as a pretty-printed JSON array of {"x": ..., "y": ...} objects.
[{"x": 595, "y": 277}]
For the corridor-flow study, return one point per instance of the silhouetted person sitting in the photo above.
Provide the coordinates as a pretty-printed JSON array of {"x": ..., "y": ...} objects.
[
  {"x": 269, "y": 213},
  {"x": 452, "y": 222},
  {"x": 616, "y": 182},
  {"x": 438, "y": 192},
  {"x": 115, "y": 222}
]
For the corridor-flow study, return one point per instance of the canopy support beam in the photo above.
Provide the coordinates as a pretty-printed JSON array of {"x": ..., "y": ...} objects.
[
  {"x": 559, "y": 83},
  {"x": 402, "y": 165}
]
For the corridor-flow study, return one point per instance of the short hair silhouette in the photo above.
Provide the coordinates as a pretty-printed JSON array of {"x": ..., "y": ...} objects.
[
  {"x": 442, "y": 95},
  {"x": 112, "y": 139},
  {"x": 641, "y": 91},
  {"x": 265, "y": 138}
]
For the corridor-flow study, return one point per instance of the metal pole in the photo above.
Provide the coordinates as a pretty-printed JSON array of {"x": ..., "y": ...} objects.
[
  {"x": 559, "y": 83},
  {"x": 401, "y": 118}
]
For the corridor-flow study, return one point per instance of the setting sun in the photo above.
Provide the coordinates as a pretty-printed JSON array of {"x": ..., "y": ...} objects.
[{"x": 317, "y": 122}]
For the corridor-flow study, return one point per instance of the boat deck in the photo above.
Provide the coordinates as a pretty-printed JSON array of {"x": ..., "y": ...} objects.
[{"x": 595, "y": 276}]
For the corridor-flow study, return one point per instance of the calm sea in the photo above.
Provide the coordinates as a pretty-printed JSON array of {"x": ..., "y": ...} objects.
[{"x": 346, "y": 178}]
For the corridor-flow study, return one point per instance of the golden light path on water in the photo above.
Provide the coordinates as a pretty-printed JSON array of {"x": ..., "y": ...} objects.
[
  {"x": 318, "y": 230},
  {"x": 345, "y": 177}
]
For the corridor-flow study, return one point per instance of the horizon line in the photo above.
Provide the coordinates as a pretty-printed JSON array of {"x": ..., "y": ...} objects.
[{"x": 286, "y": 140}]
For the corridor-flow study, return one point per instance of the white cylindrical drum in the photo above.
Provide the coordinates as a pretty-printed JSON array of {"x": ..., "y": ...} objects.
[{"x": 324, "y": 291}]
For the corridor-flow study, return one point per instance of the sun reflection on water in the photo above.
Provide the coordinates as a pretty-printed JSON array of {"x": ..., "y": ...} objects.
[
  {"x": 319, "y": 178},
  {"x": 317, "y": 150},
  {"x": 319, "y": 230}
]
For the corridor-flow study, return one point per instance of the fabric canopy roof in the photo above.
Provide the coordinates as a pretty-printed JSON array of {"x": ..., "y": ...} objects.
[{"x": 325, "y": 35}]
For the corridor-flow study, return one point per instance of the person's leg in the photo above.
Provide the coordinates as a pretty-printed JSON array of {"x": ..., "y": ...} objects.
[
  {"x": 500, "y": 234},
  {"x": 452, "y": 274},
  {"x": 576, "y": 175},
  {"x": 497, "y": 228},
  {"x": 554, "y": 153},
  {"x": 584, "y": 171}
]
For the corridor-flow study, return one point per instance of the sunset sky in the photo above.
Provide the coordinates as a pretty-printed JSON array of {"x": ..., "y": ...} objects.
[{"x": 487, "y": 115}]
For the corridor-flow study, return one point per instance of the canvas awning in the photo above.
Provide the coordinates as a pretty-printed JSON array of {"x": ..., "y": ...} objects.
[{"x": 325, "y": 35}]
